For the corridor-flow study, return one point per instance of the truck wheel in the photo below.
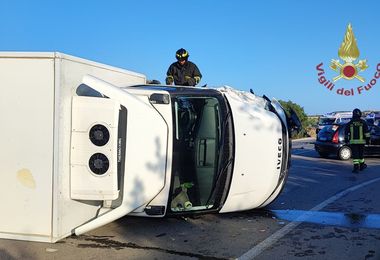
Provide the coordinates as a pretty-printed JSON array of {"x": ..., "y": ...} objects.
[{"x": 344, "y": 153}]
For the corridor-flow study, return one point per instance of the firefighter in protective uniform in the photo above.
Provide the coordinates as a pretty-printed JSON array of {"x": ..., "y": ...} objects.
[
  {"x": 183, "y": 72},
  {"x": 358, "y": 135}
]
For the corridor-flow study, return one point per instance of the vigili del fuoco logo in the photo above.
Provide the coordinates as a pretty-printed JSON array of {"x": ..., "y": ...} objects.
[{"x": 348, "y": 69}]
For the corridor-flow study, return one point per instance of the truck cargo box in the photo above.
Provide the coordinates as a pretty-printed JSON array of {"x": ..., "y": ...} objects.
[{"x": 37, "y": 91}]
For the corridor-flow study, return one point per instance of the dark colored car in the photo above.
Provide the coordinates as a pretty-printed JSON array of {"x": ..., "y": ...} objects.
[
  {"x": 375, "y": 132},
  {"x": 331, "y": 141}
]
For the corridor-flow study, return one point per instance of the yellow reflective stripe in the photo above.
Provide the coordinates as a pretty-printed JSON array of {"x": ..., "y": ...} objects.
[
  {"x": 357, "y": 141},
  {"x": 170, "y": 76},
  {"x": 197, "y": 79},
  {"x": 361, "y": 139},
  {"x": 182, "y": 55}
]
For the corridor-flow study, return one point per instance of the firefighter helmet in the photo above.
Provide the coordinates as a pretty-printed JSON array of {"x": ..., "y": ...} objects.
[
  {"x": 182, "y": 54},
  {"x": 356, "y": 113}
]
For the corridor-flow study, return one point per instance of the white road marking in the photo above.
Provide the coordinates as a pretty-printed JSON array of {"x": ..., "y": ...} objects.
[{"x": 262, "y": 246}]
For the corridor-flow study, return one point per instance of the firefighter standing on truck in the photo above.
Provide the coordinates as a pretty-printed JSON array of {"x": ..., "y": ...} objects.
[
  {"x": 183, "y": 72},
  {"x": 358, "y": 135}
]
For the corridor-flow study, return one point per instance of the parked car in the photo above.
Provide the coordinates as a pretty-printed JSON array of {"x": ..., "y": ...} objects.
[
  {"x": 331, "y": 141},
  {"x": 372, "y": 117},
  {"x": 375, "y": 132}
]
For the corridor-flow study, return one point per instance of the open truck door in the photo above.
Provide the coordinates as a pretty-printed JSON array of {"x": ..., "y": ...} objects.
[{"x": 118, "y": 146}]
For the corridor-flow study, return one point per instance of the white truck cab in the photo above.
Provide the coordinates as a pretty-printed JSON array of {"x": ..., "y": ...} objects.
[{"x": 185, "y": 150}]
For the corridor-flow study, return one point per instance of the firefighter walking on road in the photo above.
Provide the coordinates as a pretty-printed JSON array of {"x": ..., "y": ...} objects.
[{"x": 358, "y": 135}]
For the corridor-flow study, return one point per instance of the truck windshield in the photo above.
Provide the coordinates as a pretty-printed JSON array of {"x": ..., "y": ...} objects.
[{"x": 197, "y": 132}]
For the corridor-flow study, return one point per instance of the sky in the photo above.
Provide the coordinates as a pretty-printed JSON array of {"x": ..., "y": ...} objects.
[{"x": 272, "y": 47}]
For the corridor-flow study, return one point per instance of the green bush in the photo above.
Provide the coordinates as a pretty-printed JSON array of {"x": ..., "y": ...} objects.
[{"x": 307, "y": 124}]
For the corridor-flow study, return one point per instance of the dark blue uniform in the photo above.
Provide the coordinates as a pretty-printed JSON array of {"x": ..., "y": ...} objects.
[
  {"x": 358, "y": 135},
  {"x": 187, "y": 74}
]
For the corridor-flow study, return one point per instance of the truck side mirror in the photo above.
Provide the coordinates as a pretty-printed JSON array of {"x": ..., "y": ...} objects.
[{"x": 294, "y": 121}]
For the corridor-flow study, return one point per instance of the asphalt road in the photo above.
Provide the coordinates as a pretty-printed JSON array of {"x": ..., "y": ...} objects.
[{"x": 324, "y": 212}]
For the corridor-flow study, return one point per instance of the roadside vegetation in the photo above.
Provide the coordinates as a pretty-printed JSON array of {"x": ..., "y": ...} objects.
[{"x": 308, "y": 124}]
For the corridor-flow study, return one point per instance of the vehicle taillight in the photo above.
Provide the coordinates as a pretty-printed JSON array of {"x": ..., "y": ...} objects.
[{"x": 335, "y": 138}]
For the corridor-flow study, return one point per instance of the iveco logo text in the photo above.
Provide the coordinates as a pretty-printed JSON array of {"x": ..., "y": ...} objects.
[{"x": 279, "y": 155}]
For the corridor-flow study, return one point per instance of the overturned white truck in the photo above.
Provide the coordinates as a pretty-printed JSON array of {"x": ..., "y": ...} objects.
[{"x": 84, "y": 144}]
